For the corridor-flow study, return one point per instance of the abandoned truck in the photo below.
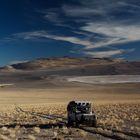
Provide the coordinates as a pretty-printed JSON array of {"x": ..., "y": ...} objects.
[{"x": 80, "y": 112}]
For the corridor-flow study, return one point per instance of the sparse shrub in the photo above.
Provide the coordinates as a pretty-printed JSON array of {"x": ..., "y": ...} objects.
[
  {"x": 31, "y": 137},
  {"x": 36, "y": 129},
  {"x": 58, "y": 138},
  {"x": 65, "y": 130},
  {"x": 3, "y": 137},
  {"x": 4, "y": 128},
  {"x": 110, "y": 116},
  {"x": 82, "y": 133},
  {"x": 12, "y": 133},
  {"x": 55, "y": 134}
]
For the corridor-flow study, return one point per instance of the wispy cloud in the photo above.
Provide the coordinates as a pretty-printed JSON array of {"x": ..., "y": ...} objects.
[
  {"x": 106, "y": 54},
  {"x": 131, "y": 5},
  {"x": 109, "y": 39},
  {"x": 52, "y": 15},
  {"x": 75, "y": 40},
  {"x": 18, "y": 61},
  {"x": 87, "y": 44},
  {"x": 105, "y": 18},
  {"x": 114, "y": 33},
  {"x": 104, "y": 10},
  {"x": 130, "y": 32},
  {"x": 81, "y": 11},
  {"x": 45, "y": 34}
]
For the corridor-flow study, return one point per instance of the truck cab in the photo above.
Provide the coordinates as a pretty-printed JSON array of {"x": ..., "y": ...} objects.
[{"x": 80, "y": 112}]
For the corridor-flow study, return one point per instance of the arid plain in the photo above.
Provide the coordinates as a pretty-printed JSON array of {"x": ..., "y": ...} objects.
[{"x": 47, "y": 91}]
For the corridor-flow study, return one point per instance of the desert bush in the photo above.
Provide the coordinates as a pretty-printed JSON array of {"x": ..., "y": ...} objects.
[
  {"x": 31, "y": 137},
  {"x": 121, "y": 117}
]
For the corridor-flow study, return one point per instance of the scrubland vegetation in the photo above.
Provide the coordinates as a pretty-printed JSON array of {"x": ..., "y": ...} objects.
[{"x": 122, "y": 120}]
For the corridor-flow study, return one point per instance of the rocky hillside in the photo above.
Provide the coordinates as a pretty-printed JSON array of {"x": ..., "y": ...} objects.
[
  {"x": 7, "y": 69},
  {"x": 63, "y": 62},
  {"x": 78, "y": 66}
]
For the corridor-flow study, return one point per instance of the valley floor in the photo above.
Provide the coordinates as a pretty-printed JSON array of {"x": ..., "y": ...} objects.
[
  {"x": 116, "y": 105},
  {"x": 98, "y": 94}
]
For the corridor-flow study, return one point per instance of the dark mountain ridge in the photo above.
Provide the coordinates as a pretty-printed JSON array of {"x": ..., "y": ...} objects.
[{"x": 78, "y": 66}]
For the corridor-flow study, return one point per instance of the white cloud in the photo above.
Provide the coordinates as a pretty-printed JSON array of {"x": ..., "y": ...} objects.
[
  {"x": 44, "y": 34},
  {"x": 74, "y": 40},
  {"x": 122, "y": 3},
  {"x": 81, "y": 11},
  {"x": 109, "y": 40},
  {"x": 112, "y": 30},
  {"x": 52, "y": 16},
  {"x": 106, "y": 54},
  {"x": 130, "y": 32},
  {"x": 104, "y": 8},
  {"x": 18, "y": 61},
  {"x": 114, "y": 33}
]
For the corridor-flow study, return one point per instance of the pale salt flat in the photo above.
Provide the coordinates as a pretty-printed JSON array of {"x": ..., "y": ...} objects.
[{"x": 108, "y": 79}]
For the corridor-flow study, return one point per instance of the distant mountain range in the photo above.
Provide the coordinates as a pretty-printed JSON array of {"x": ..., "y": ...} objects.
[{"x": 78, "y": 66}]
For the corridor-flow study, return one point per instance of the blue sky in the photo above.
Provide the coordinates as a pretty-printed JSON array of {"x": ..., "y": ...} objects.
[{"x": 54, "y": 28}]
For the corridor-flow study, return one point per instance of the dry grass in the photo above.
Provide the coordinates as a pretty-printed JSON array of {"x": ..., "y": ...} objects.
[{"x": 120, "y": 117}]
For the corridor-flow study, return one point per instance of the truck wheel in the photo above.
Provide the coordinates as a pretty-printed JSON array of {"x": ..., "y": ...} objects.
[
  {"x": 77, "y": 124},
  {"x": 70, "y": 123},
  {"x": 94, "y": 123}
]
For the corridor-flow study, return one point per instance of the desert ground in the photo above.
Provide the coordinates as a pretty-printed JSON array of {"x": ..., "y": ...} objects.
[
  {"x": 34, "y": 97},
  {"x": 116, "y": 106},
  {"x": 98, "y": 94}
]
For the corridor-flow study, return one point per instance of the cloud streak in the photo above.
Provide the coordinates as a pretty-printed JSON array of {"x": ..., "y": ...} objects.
[
  {"x": 114, "y": 34},
  {"x": 81, "y": 11},
  {"x": 74, "y": 40},
  {"x": 101, "y": 17},
  {"x": 44, "y": 34},
  {"x": 109, "y": 53},
  {"x": 102, "y": 24}
]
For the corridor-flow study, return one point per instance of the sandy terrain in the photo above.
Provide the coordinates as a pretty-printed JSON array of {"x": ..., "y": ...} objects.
[
  {"x": 116, "y": 106},
  {"x": 98, "y": 94},
  {"x": 118, "y": 116}
]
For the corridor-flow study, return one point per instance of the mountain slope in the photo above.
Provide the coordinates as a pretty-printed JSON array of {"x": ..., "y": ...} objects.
[{"x": 77, "y": 66}]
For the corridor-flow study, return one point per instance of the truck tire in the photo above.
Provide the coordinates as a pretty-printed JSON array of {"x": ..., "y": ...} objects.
[
  {"x": 70, "y": 122},
  {"x": 94, "y": 123}
]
